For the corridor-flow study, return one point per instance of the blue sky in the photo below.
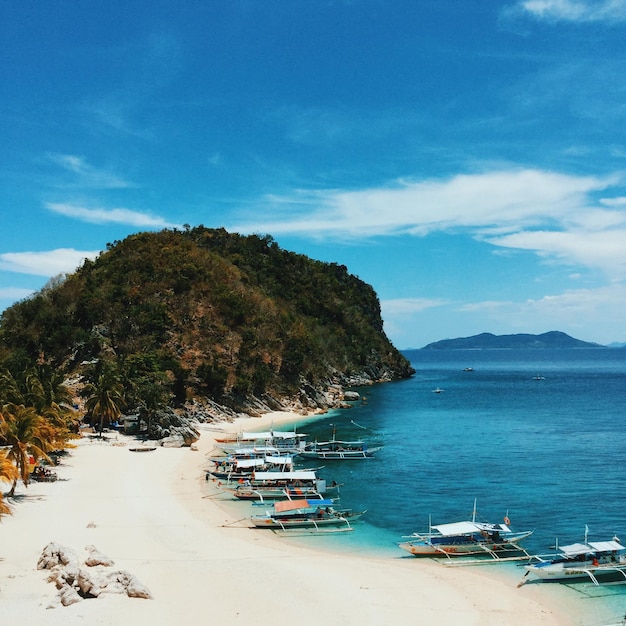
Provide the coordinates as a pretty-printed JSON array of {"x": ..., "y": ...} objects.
[{"x": 466, "y": 159}]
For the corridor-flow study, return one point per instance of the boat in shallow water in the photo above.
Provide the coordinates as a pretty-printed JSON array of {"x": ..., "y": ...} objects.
[
  {"x": 284, "y": 486},
  {"x": 232, "y": 468},
  {"x": 497, "y": 541},
  {"x": 314, "y": 515},
  {"x": 595, "y": 561},
  {"x": 336, "y": 450},
  {"x": 271, "y": 442},
  {"x": 468, "y": 538}
]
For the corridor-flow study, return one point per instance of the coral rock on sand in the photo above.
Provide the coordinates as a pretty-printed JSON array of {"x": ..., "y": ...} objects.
[
  {"x": 76, "y": 583},
  {"x": 55, "y": 554},
  {"x": 97, "y": 558}
]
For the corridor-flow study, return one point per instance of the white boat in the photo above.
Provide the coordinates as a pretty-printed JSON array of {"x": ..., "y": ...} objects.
[
  {"x": 271, "y": 442},
  {"x": 589, "y": 560},
  {"x": 284, "y": 486},
  {"x": 301, "y": 514},
  {"x": 232, "y": 468},
  {"x": 336, "y": 449},
  {"x": 468, "y": 538}
]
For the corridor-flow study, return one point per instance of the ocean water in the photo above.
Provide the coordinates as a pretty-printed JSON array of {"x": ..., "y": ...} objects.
[{"x": 549, "y": 453}]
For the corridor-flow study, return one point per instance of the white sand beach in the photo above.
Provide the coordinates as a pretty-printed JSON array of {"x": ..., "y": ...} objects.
[{"x": 147, "y": 512}]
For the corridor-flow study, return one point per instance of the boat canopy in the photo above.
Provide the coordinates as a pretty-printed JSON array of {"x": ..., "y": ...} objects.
[
  {"x": 249, "y": 462},
  {"x": 276, "y": 434},
  {"x": 292, "y": 505},
  {"x": 335, "y": 442},
  {"x": 576, "y": 549},
  {"x": 279, "y": 460},
  {"x": 299, "y": 475},
  {"x": 253, "y": 450},
  {"x": 468, "y": 528}
]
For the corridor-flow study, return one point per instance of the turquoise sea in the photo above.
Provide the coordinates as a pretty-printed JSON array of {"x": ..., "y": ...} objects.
[{"x": 537, "y": 435}]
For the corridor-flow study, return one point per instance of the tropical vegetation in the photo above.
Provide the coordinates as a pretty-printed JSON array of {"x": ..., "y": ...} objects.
[{"x": 163, "y": 319}]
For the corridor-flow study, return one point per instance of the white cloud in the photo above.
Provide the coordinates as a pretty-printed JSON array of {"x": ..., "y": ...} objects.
[
  {"x": 605, "y": 249},
  {"x": 408, "y": 306},
  {"x": 590, "y": 314},
  {"x": 109, "y": 216},
  {"x": 574, "y": 10},
  {"x": 611, "y": 202},
  {"x": 48, "y": 263},
  {"x": 550, "y": 213},
  {"x": 14, "y": 293},
  {"x": 86, "y": 175}
]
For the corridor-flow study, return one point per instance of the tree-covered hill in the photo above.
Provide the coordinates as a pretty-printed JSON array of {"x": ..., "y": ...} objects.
[{"x": 206, "y": 313}]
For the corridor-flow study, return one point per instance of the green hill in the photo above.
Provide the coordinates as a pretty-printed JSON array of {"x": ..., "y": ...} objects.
[{"x": 208, "y": 314}]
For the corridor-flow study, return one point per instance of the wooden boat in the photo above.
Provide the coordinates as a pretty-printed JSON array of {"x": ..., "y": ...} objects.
[
  {"x": 468, "y": 538},
  {"x": 234, "y": 468},
  {"x": 313, "y": 515},
  {"x": 283, "y": 486},
  {"x": 272, "y": 442},
  {"x": 251, "y": 437},
  {"x": 339, "y": 450},
  {"x": 591, "y": 560},
  {"x": 336, "y": 449}
]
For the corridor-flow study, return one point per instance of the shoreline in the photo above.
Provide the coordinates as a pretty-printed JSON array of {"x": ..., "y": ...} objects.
[{"x": 148, "y": 512}]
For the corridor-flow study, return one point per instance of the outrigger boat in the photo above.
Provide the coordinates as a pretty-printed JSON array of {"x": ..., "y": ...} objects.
[
  {"x": 468, "y": 538},
  {"x": 335, "y": 450},
  {"x": 283, "y": 486},
  {"x": 233, "y": 468},
  {"x": 283, "y": 442},
  {"x": 314, "y": 515},
  {"x": 590, "y": 560}
]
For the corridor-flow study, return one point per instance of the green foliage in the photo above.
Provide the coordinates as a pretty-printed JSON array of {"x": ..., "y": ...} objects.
[{"x": 203, "y": 312}]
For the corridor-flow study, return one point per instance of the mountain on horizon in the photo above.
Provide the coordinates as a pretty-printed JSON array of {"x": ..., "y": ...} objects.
[{"x": 485, "y": 341}]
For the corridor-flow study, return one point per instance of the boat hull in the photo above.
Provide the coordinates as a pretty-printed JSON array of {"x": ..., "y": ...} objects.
[
  {"x": 339, "y": 455},
  {"x": 585, "y": 570},
  {"x": 277, "y": 494},
  {"x": 464, "y": 546},
  {"x": 308, "y": 521}
]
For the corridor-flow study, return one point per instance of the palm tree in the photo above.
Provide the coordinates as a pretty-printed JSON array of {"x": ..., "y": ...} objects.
[
  {"x": 25, "y": 433},
  {"x": 53, "y": 400},
  {"x": 104, "y": 395},
  {"x": 8, "y": 473},
  {"x": 42, "y": 388}
]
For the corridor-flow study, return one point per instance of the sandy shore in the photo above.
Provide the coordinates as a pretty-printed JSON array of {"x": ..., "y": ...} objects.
[{"x": 147, "y": 512}]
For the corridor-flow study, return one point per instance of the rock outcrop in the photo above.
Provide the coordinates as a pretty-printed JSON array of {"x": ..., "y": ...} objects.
[{"x": 78, "y": 581}]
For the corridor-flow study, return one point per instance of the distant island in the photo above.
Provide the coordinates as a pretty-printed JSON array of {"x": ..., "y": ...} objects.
[{"x": 485, "y": 341}]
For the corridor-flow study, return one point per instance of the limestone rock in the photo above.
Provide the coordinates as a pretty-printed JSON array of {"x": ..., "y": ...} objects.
[
  {"x": 76, "y": 582},
  {"x": 55, "y": 554},
  {"x": 89, "y": 583},
  {"x": 68, "y": 595},
  {"x": 97, "y": 558}
]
